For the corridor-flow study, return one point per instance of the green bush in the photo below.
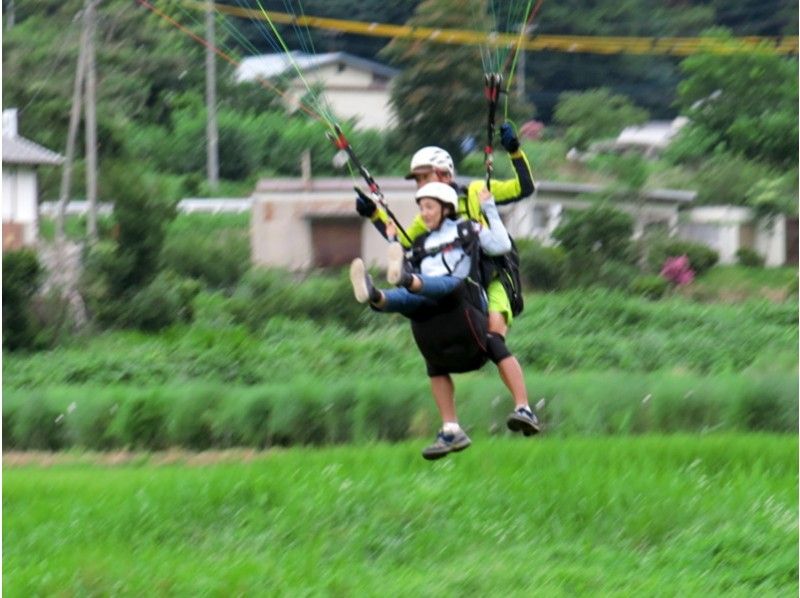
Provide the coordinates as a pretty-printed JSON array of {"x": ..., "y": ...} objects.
[
  {"x": 541, "y": 268},
  {"x": 701, "y": 257},
  {"x": 598, "y": 245},
  {"x": 165, "y": 301},
  {"x": 89, "y": 422},
  {"x": 651, "y": 287},
  {"x": 267, "y": 293},
  {"x": 37, "y": 425},
  {"x": 22, "y": 275},
  {"x": 749, "y": 257},
  {"x": 218, "y": 259},
  {"x": 54, "y": 318},
  {"x": 191, "y": 417},
  {"x": 614, "y": 274},
  {"x": 595, "y": 114},
  {"x": 141, "y": 422}
]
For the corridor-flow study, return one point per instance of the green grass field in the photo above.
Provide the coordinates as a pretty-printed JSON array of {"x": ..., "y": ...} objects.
[{"x": 627, "y": 516}]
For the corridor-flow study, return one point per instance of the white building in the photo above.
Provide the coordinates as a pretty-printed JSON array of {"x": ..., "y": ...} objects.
[
  {"x": 353, "y": 87},
  {"x": 650, "y": 138},
  {"x": 21, "y": 157},
  {"x": 539, "y": 217},
  {"x": 726, "y": 229}
]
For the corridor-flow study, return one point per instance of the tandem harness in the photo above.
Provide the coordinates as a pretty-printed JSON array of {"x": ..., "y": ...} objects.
[{"x": 452, "y": 335}]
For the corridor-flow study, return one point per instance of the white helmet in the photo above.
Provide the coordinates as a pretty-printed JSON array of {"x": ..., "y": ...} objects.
[
  {"x": 431, "y": 157},
  {"x": 441, "y": 191}
]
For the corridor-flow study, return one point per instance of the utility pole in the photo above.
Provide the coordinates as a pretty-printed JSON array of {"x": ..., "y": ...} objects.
[
  {"x": 91, "y": 120},
  {"x": 10, "y": 15},
  {"x": 74, "y": 120},
  {"x": 212, "y": 134}
]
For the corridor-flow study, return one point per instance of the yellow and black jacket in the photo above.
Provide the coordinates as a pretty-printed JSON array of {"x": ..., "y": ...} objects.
[{"x": 469, "y": 206}]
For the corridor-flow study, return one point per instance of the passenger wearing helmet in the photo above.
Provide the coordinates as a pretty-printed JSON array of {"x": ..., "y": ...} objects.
[
  {"x": 435, "y": 164},
  {"x": 445, "y": 264}
]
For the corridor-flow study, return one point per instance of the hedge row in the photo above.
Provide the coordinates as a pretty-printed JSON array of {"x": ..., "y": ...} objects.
[
  {"x": 312, "y": 411},
  {"x": 590, "y": 330}
]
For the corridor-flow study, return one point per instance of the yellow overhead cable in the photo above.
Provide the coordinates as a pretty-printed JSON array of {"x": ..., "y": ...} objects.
[{"x": 675, "y": 46}]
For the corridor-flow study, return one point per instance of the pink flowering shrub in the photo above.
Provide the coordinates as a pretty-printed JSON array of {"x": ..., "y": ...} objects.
[{"x": 677, "y": 270}]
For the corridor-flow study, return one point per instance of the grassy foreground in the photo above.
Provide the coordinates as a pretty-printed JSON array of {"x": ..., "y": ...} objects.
[{"x": 673, "y": 515}]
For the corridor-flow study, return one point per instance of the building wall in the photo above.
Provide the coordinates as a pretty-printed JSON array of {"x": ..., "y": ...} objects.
[
  {"x": 20, "y": 193},
  {"x": 726, "y": 229},
  {"x": 539, "y": 217},
  {"x": 280, "y": 225},
  {"x": 352, "y": 93}
]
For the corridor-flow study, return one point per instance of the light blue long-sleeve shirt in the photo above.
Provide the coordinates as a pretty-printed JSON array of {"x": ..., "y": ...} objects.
[{"x": 453, "y": 261}]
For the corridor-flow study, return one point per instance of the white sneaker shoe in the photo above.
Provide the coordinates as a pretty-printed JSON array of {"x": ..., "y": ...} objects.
[
  {"x": 396, "y": 261},
  {"x": 360, "y": 280}
]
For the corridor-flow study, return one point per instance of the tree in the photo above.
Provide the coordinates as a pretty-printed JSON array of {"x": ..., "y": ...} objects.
[
  {"x": 141, "y": 67},
  {"x": 595, "y": 114},
  {"x": 745, "y": 102},
  {"x": 438, "y": 97},
  {"x": 598, "y": 245}
]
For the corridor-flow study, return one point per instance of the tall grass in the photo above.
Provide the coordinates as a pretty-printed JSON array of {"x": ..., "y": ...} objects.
[
  {"x": 679, "y": 515},
  {"x": 310, "y": 411}
]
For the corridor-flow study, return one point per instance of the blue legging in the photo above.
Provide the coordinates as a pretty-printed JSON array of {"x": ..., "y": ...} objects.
[{"x": 405, "y": 302}]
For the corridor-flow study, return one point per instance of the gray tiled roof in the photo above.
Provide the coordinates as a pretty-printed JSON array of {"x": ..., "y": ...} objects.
[{"x": 18, "y": 150}]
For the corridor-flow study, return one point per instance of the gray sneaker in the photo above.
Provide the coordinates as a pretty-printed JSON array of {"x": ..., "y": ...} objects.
[
  {"x": 446, "y": 443},
  {"x": 524, "y": 420}
]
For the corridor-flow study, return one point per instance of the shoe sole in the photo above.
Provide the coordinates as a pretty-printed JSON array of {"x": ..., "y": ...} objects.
[
  {"x": 455, "y": 449},
  {"x": 357, "y": 279},
  {"x": 394, "y": 269},
  {"x": 519, "y": 424}
]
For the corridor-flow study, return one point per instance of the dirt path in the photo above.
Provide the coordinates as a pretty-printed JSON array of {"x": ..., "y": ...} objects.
[{"x": 121, "y": 458}]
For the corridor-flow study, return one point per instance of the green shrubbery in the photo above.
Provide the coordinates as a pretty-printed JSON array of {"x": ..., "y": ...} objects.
[
  {"x": 701, "y": 257},
  {"x": 313, "y": 411},
  {"x": 215, "y": 254},
  {"x": 651, "y": 287},
  {"x": 586, "y": 329},
  {"x": 541, "y": 268},
  {"x": 122, "y": 283},
  {"x": 22, "y": 275},
  {"x": 266, "y": 293},
  {"x": 749, "y": 257}
]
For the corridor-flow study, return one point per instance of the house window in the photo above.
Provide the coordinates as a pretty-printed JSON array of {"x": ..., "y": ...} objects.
[
  {"x": 336, "y": 240},
  {"x": 340, "y": 67}
]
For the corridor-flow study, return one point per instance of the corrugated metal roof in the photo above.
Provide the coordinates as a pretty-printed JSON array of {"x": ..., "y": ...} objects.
[{"x": 18, "y": 150}]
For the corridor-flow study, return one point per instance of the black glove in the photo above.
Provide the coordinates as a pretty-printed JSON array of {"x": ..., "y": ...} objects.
[
  {"x": 364, "y": 205},
  {"x": 508, "y": 138}
]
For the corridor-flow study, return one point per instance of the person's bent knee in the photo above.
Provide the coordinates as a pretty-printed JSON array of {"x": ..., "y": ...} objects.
[
  {"x": 498, "y": 323},
  {"x": 496, "y": 347}
]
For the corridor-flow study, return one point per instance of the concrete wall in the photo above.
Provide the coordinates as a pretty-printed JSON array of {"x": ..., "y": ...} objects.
[
  {"x": 538, "y": 218},
  {"x": 280, "y": 231},
  {"x": 20, "y": 191},
  {"x": 722, "y": 227}
]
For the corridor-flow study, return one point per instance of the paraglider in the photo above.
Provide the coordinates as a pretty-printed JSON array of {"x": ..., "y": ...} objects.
[{"x": 459, "y": 315}]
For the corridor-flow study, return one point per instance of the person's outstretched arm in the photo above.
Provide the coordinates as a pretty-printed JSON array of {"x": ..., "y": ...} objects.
[{"x": 494, "y": 239}]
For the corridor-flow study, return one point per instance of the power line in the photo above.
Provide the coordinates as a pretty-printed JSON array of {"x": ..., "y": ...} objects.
[{"x": 674, "y": 46}]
